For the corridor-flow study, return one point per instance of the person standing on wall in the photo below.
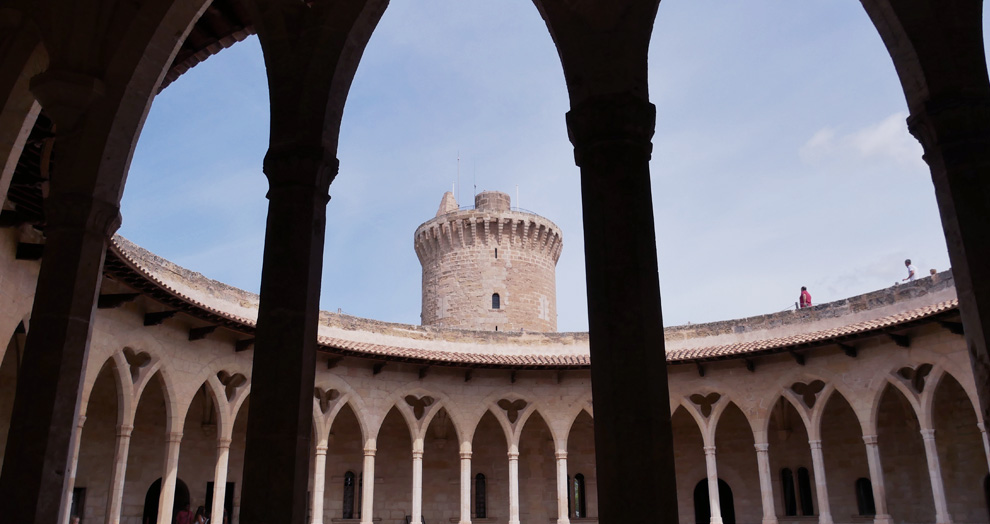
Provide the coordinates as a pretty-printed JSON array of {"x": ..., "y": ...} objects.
[
  {"x": 911, "y": 272},
  {"x": 805, "y": 300}
]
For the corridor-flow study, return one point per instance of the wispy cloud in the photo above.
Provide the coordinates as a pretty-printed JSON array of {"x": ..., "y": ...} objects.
[{"x": 886, "y": 141}]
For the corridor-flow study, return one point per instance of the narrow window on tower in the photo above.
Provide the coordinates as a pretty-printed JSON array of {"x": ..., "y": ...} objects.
[
  {"x": 496, "y": 301},
  {"x": 496, "y": 252}
]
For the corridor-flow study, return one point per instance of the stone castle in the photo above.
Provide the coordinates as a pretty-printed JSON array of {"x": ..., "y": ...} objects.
[
  {"x": 131, "y": 387},
  {"x": 489, "y": 268}
]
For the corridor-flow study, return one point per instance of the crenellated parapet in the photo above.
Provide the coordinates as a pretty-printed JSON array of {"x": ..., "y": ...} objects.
[{"x": 471, "y": 255}]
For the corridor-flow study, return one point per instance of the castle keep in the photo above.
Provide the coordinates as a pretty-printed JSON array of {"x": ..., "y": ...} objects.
[{"x": 490, "y": 268}]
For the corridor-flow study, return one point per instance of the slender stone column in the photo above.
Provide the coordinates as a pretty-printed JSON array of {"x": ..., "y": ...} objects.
[
  {"x": 634, "y": 451},
  {"x": 713, "y": 502},
  {"x": 417, "y": 482},
  {"x": 935, "y": 471},
  {"x": 876, "y": 480},
  {"x": 280, "y": 416},
  {"x": 73, "y": 464},
  {"x": 119, "y": 473},
  {"x": 562, "y": 517},
  {"x": 513, "y": 487},
  {"x": 465, "y": 486},
  {"x": 220, "y": 479},
  {"x": 986, "y": 442},
  {"x": 368, "y": 485},
  {"x": 167, "y": 497},
  {"x": 766, "y": 482},
  {"x": 818, "y": 463}
]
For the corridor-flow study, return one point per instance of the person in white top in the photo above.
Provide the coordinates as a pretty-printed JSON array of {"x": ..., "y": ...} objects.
[{"x": 911, "y": 272}]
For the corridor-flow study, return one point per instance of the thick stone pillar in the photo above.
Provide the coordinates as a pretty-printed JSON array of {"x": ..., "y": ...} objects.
[
  {"x": 280, "y": 416},
  {"x": 633, "y": 437},
  {"x": 118, "y": 473},
  {"x": 46, "y": 401},
  {"x": 935, "y": 472},
  {"x": 166, "y": 500},
  {"x": 562, "y": 517},
  {"x": 821, "y": 488},
  {"x": 513, "y": 487},
  {"x": 712, "y": 471},
  {"x": 73, "y": 465},
  {"x": 465, "y": 485},
  {"x": 417, "y": 482},
  {"x": 876, "y": 480},
  {"x": 954, "y": 130},
  {"x": 368, "y": 485},
  {"x": 220, "y": 480},
  {"x": 766, "y": 482}
]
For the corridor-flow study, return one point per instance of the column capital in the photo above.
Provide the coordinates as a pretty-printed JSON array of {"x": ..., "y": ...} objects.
[
  {"x": 175, "y": 437},
  {"x": 928, "y": 434},
  {"x": 949, "y": 119},
  {"x": 78, "y": 211},
  {"x": 369, "y": 451},
  {"x": 513, "y": 455},
  {"x": 465, "y": 455},
  {"x": 417, "y": 454},
  {"x": 125, "y": 430},
  {"x": 870, "y": 440},
  {"x": 66, "y": 96},
  {"x": 300, "y": 165},
  {"x": 81, "y": 421},
  {"x": 762, "y": 447},
  {"x": 815, "y": 444},
  {"x": 709, "y": 450},
  {"x": 223, "y": 443},
  {"x": 561, "y": 455},
  {"x": 605, "y": 120},
  {"x": 982, "y": 426}
]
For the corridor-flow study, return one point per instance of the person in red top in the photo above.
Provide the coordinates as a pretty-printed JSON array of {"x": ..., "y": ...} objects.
[{"x": 805, "y": 297}]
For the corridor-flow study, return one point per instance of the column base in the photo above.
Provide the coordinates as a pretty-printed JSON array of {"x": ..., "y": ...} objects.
[
  {"x": 564, "y": 521},
  {"x": 883, "y": 519},
  {"x": 825, "y": 519},
  {"x": 773, "y": 520}
]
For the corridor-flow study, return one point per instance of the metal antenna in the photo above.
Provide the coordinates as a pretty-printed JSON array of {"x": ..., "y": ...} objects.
[{"x": 457, "y": 195}]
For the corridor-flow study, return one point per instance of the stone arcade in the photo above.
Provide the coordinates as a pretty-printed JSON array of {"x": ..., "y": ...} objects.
[{"x": 891, "y": 377}]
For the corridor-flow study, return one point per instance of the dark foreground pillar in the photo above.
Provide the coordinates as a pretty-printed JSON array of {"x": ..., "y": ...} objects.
[
  {"x": 280, "y": 414},
  {"x": 955, "y": 133},
  {"x": 50, "y": 378},
  {"x": 634, "y": 452}
]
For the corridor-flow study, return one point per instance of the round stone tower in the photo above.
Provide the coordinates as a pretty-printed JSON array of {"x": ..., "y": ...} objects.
[{"x": 490, "y": 268}]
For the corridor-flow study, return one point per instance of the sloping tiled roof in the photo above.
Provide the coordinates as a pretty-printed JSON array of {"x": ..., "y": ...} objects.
[{"x": 126, "y": 267}]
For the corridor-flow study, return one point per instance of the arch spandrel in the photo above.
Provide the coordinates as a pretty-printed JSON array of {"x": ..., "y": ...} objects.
[{"x": 603, "y": 46}]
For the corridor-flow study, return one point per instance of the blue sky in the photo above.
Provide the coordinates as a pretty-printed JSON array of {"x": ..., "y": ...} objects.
[{"x": 781, "y": 156}]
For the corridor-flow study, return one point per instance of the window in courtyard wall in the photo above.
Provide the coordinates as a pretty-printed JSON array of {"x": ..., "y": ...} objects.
[
  {"x": 496, "y": 301},
  {"x": 787, "y": 488},
  {"x": 360, "y": 495},
  {"x": 480, "y": 496},
  {"x": 580, "y": 508},
  {"x": 348, "y": 512},
  {"x": 804, "y": 491},
  {"x": 864, "y": 497}
]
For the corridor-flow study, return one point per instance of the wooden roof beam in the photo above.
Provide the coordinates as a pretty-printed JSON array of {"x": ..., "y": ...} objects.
[
  {"x": 157, "y": 317},
  {"x": 115, "y": 300},
  {"x": 200, "y": 333}
]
